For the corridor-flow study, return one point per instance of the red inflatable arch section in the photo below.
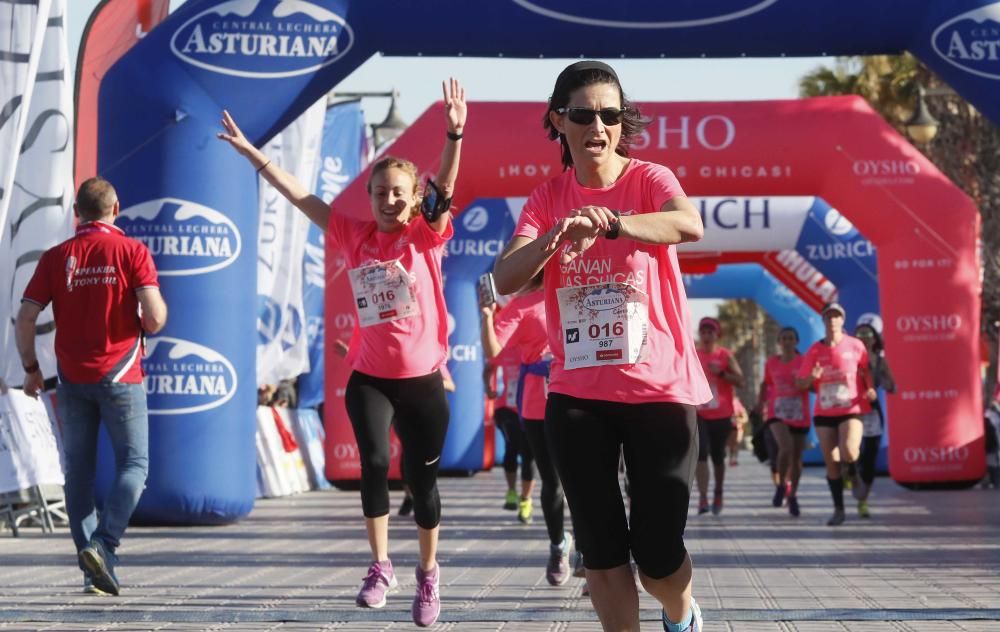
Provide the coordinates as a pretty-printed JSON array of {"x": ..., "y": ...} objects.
[{"x": 924, "y": 228}]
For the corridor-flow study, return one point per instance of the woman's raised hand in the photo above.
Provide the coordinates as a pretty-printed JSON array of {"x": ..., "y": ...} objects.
[
  {"x": 455, "y": 109},
  {"x": 233, "y": 135}
]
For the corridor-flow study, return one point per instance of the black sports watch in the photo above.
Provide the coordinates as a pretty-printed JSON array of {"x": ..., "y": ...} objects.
[{"x": 615, "y": 227}]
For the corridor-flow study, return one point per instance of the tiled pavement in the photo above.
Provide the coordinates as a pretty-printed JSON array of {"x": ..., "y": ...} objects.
[{"x": 926, "y": 561}]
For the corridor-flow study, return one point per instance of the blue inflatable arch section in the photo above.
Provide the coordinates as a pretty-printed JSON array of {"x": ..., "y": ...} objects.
[{"x": 267, "y": 60}]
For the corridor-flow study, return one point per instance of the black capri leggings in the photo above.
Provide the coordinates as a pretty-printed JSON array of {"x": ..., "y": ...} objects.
[
  {"x": 420, "y": 410},
  {"x": 713, "y": 435},
  {"x": 660, "y": 443},
  {"x": 553, "y": 502},
  {"x": 869, "y": 455},
  {"x": 516, "y": 444}
]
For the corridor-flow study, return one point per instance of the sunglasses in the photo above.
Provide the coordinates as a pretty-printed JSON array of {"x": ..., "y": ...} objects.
[{"x": 585, "y": 116}]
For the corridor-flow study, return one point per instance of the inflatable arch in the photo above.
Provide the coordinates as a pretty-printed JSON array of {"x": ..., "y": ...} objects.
[{"x": 266, "y": 60}]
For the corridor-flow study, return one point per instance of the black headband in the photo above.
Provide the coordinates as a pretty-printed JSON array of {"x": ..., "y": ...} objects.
[{"x": 580, "y": 66}]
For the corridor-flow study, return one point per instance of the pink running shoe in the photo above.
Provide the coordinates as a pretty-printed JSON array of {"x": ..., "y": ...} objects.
[
  {"x": 427, "y": 603},
  {"x": 377, "y": 584}
]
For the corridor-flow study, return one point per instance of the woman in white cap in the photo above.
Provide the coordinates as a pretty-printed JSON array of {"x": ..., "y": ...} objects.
[{"x": 837, "y": 368}]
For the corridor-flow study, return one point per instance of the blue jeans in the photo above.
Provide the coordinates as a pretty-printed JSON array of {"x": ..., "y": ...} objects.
[{"x": 122, "y": 407}]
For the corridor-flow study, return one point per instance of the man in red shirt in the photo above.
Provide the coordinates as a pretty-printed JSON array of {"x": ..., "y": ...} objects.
[{"x": 96, "y": 282}]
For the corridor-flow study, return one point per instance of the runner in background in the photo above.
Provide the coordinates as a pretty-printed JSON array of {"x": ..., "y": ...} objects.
[
  {"x": 520, "y": 328},
  {"x": 837, "y": 368},
  {"x": 735, "y": 441},
  {"x": 715, "y": 418},
  {"x": 786, "y": 410},
  {"x": 873, "y": 421},
  {"x": 624, "y": 371},
  {"x": 401, "y": 340},
  {"x": 505, "y": 413}
]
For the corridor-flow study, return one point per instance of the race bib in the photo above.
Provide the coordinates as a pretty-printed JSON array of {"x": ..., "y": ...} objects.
[
  {"x": 834, "y": 395},
  {"x": 383, "y": 292},
  {"x": 510, "y": 386},
  {"x": 714, "y": 402},
  {"x": 872, "y": 424},
  {"x": 603, "y": 324},
  {"x": 789, "y": 408}
]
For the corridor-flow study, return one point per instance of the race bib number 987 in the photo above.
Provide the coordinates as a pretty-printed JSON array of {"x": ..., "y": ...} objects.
[{"x": 603, "y": 324}]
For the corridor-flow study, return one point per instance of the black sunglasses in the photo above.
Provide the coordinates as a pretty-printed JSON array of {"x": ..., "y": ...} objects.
[{"x": 585, "y": 116}]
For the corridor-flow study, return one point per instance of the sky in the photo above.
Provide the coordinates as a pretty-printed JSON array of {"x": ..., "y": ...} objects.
[{"x": 418, "y": 81}]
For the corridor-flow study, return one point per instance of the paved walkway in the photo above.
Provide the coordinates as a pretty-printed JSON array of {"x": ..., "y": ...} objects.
[{"x": 926, "y": 561}]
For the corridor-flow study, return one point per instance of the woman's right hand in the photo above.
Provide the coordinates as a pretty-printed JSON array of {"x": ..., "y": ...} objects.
[{"x": 234, "y": 136}]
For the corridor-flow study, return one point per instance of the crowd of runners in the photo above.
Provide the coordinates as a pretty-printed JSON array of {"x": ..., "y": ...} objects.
[{"x": 593, "y": 376}]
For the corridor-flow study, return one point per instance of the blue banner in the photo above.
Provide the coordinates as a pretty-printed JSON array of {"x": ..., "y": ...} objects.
[{"x": 340, "y": 162}]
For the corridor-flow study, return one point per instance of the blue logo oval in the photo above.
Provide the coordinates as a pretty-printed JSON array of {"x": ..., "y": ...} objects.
[
  {"x": 184, "y": 237},
  {"x": 184, "y": 377},
  {"x": 657, "y": 15},
  {"x": 971, "y": 41},
  {"x": 263, "y": 39}
]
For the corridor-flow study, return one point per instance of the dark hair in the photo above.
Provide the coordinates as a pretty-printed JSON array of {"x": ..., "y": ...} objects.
[
  {"x": 878, "y": 345},
  {"x": 587, "y": 73},
  {"x": 95, "y": 198},
  {"x": 788, "y": 328}
]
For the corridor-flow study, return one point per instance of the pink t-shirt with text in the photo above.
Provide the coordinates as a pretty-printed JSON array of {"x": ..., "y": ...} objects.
[
  {"x": 408, "y": 347},
  {"x": 784, "y": 399},
  {"x": 520, "y": 327},
  {"x": 837, "y": 391},
  {"x": 721, "y": 404},
  {"x": 667, "y": 369}
]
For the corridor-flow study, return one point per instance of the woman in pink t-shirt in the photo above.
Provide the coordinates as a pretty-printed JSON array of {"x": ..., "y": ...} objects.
[
  {"x": 715, "y": 418},
  {"x": 836, "y": 367},
  {"x": 785, "y": 408},
  {"x": 401, "y": 341},
  {"x": 624, "y": 374}
]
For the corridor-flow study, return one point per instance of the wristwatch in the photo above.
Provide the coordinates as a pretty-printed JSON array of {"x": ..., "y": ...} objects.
[
  {"x": 31, "y": 368},
  {"x": 615, "y": 227}
]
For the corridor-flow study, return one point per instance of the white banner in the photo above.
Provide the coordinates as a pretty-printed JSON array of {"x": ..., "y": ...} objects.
[
  {"x": 282, "y": 345},
  {"x": 37, "y": 206},
  {"x": 29, "y": 448}
]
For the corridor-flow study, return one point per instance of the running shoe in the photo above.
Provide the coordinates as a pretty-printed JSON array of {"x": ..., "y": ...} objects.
[
  {"x": 860, "y": 489},
  {"x": 585, "y": 591},
  {"x": 406, "y": 507},
  {"x": 697, "y": 622},
  {"x": 100, "y": 564},
  {"x": 793, "y": 506},
  {"x": 427, "y": 602},
  {"x": 579, "y": 570},
  {"x": 703, "y": 505},
  {"x": 89, "y": 587},
  {"x": 524, "y": 509},
  {"x": 837, "y": 518},
  {"x": 379, "y": 581},
  {"x": 717, "y": 504},
  {"x": 863, "y": 511},
  {"x": 510, "y": 503},
  {"x": 557, "y": 570},
  {"x": 779, "y": 495}
]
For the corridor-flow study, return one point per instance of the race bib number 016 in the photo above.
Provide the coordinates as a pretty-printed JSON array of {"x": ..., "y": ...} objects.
[
  {"x": 603, "y": 324},
  {"x": 383, "y": 292}
]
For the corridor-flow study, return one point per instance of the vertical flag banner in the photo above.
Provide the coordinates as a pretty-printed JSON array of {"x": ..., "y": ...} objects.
[
  {"x": 341, "y": 159},
  {"x": 37, "y": 203},
  {"x": 281, "y": 242}
]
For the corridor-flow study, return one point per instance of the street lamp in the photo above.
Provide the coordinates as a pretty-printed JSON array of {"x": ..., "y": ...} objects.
[
  {"x": 922, "y": 126},
  {"x": 391, "y": 127}
]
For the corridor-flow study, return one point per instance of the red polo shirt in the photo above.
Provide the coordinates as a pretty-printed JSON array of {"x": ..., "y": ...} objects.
[{"x": 91, "y": 280}]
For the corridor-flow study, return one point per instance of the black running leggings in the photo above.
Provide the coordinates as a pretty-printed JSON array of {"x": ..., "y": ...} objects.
[
  {"x": 516, "y": 444},
  {"x": 420, "y": 410},
  {"x": 869, "y": 454},
  {"x": 553, "y": 500},
  {"x": 713, "y": 435},
  {"x": 660, "y": 444}
]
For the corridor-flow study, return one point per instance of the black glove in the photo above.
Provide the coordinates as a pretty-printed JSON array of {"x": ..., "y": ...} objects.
[{"x": 434, "y": 203}]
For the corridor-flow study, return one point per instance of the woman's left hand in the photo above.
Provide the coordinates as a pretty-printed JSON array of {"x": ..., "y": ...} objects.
[
  {"x": 455, "y": 108},
  {"x": 871, "y": 394}
]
